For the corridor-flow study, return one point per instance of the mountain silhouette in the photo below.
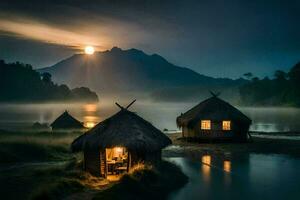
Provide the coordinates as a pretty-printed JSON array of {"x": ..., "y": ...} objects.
[{"x": 131, "y": 70}]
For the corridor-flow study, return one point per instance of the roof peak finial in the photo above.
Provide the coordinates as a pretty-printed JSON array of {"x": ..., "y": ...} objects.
[
  {"x": 121, "y": 107},
  {"x": 130, "y": 104},
  {"x": 125, "y": 108},
  {"x": 215, "y": 94}
]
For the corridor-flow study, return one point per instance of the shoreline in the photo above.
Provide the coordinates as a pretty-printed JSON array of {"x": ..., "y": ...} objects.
[{"x": 258, "y": 145}]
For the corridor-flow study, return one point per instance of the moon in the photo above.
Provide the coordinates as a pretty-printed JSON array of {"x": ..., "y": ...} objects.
[{"x": 89, "y": 50}]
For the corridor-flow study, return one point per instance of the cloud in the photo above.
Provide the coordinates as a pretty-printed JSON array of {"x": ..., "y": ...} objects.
[
  {"x": 101, "y": 32},
  {"x": 35, "y": 30}
]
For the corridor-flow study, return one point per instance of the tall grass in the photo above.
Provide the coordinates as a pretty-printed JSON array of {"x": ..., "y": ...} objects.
[
  {"x": 147, "y": 183},
  {"x": 35, "y": 147},
  {"x": 38, "y": 166},
  {"x": 41, "y": 166}
]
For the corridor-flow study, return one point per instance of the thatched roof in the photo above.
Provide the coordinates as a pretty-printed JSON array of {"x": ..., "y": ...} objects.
[
  {"x": 125, "y": 129},
  {"x": 214, "y": 109},
  {"x": 66, "y": 121}
]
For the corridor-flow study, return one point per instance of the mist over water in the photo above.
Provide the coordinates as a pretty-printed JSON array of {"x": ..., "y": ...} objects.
[{"x": 161, "y": 114}]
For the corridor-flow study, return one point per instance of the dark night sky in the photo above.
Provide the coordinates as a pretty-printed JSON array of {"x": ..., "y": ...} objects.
[{"x": 213, "y": 37}]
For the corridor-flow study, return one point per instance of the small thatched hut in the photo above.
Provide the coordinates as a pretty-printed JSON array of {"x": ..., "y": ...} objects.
[
  {"x": 214, "y": 119},
  {"x": 118, "y": 143},
  {"x": 66, "y": 121}
]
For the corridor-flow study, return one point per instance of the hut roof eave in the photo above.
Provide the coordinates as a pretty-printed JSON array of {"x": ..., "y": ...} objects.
[
  {"x": 66, "y": 120},
  {"x": 212, "y": 108},
  {"x": 123, "y": 129}
]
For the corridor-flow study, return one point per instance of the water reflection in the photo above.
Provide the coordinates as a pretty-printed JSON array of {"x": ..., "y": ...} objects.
[
  {"x": 205, "y": 167},
  {"x": 205, "y": 170},
  {"x": 215, "y": 161},
  {"x": 90, "y": 107},
  {"x": 227, "y": 166},
  {"x": 251, "y": 176},
  {"x": 206, "y": 159},
  {"x": 89, "y": 124},
  {"x": 91, "y": 117}
]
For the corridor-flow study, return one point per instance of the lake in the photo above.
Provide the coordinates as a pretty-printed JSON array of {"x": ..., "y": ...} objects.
[
  {"x": 162, "y": 115},
  {"x": 252, "y": 176}
]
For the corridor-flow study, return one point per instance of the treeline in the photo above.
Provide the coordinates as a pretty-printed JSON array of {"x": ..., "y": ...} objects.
[
  {"x": 20, "y": 83},
  {"x": 282, "y": 90}
]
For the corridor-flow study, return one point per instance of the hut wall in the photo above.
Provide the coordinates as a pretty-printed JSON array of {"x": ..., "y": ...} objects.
[
  {"x": 188, "y": 132},
  {"x": 238, "y": 131},
  {"x": 92, "y": 162},
  {"x": 102, "y": 163},
  {"x": 185, "y": 131}
]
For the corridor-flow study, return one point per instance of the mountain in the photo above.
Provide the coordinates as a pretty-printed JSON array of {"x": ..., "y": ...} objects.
[{"x": 132, "y": 70}]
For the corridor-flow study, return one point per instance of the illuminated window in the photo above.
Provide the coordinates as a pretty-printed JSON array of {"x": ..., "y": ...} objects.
[
  {"x": 205, "y": 124},
  {"x": 226, "y": 125}
]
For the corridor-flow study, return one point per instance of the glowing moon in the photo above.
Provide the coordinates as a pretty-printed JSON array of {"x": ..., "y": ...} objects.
[{"x": 89, "y": 50}]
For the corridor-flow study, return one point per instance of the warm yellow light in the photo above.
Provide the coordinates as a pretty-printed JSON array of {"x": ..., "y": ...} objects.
[
  {"x": 227, "y": 166},
  {"x": 205, "y": 124},
  {"x": 226, "y": 125},
  {"x": 118, "y": 149},
  {"x": 90, "y": 124},
  {"x": 206, "y": 159},
  {"x": 89, "y": 50},
  {"x": 90, "y": 107}
]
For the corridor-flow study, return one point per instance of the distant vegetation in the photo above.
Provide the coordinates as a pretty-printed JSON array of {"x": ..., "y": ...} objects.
[
  {"x": 20, "y": 83},
  {"x": 282, "y": 90}
]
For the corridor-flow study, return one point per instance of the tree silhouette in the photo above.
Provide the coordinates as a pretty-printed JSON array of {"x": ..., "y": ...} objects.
[
  {"x": 248, "y": 75},
  {"x": 294, "y": 73},
  {"x": 19, "y": 82},
  {"x": 46, "y": 77},
  {"x": 282, "y": 90},
  {"x": 280, "y": 75}
]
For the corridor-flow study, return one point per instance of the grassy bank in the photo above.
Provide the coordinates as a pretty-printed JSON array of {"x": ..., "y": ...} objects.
[
  {"x": 146, "y": 184},
  {"x": 35, "y": 147},
  {"x": 40, "y": 165},
  {"x": 257, "y": 145}
]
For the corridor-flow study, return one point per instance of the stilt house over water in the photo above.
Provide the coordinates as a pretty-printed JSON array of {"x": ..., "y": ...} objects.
[
  {"x": 120, "y": 142},
  {"x": 66, "y": 121},
  {"x": 214, "y": 119}
]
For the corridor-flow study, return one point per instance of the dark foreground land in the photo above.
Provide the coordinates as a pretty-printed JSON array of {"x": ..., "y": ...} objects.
[{"x": 41, "y": 166}]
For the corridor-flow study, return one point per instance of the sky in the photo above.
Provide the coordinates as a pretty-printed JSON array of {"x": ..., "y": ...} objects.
[{"x": 219, "y": 38}]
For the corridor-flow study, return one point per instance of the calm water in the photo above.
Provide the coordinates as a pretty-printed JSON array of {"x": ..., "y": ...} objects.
[
  {"x": 162, "y": 115},
  {"x": 246, "y": 177}
]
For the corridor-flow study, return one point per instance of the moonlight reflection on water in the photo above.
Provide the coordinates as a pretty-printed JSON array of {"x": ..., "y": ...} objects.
[{"x": 248, "y": 176}]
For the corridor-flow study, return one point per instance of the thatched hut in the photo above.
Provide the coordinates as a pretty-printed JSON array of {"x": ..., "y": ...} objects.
[
  {"x": 66, "y": 121},
  {"x": 214, "y": 119},
  {"x": 120, "y": 142}
]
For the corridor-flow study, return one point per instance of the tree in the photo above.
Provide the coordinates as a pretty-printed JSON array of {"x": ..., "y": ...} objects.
[
  {"x": 46, "y": 77},
  {"x": 20, "y": 83},
  {"x": 248, "y": 75},
  {"x": 280, "y": 75},
  {"x": 294, "y": 73},
  {"x": 283, "y": 89}
]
